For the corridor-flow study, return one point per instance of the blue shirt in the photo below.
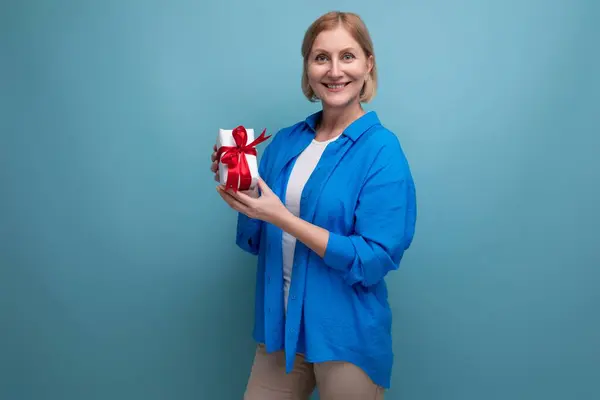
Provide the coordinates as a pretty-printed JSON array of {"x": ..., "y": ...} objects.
[{"x": 363, "y": 193}]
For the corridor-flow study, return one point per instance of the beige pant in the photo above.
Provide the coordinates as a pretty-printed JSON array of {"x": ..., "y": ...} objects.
[{"x": 335, "y": 380}]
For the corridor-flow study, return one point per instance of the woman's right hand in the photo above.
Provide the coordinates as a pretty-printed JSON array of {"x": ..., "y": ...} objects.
[{"x": 214, "y": 166}]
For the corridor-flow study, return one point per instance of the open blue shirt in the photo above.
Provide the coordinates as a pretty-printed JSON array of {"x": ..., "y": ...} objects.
[{"x": 363, "y": 193}]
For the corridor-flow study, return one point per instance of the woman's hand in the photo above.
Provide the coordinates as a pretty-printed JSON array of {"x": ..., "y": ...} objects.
[
  {"x": 270, "y": 209},
  {"x": 266, "y": 207}
]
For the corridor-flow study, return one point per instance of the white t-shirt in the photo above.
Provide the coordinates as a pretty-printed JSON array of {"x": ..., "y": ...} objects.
[{"x": 303, "y": 168}]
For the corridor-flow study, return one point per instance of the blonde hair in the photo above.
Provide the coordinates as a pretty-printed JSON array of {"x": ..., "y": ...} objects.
[{"x": 357, "y": 28}]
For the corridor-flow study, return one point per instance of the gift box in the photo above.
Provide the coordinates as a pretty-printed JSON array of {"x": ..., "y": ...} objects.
[{"x": 237, "y": 155}]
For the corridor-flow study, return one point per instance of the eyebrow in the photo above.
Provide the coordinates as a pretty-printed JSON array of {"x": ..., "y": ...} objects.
[{"x": 319, "y": 50}]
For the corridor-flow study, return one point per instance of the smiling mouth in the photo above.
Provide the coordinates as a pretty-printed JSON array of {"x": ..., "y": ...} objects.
[{"x": 336, "y": 85}]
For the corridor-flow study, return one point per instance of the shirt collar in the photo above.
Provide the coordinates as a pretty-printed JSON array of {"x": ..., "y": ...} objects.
[{"x": 355, "y": 129}]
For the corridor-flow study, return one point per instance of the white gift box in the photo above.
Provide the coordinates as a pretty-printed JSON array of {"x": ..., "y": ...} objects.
[{"x": 225, "y": 138}]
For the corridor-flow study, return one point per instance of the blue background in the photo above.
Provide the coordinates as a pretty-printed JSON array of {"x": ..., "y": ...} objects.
[{"x": 119, "y": 277}]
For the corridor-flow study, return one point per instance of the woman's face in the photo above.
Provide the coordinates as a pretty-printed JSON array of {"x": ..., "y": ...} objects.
[{"x": 337, "y": 68}]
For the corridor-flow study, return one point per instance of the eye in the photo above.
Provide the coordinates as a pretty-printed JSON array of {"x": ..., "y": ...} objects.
[
  {"x": 321, "y": 58},
  {"x": 348, "y": 57}
]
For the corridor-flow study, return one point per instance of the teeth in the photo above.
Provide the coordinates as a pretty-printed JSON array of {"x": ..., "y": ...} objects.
[{"x": 336, "y": 86}]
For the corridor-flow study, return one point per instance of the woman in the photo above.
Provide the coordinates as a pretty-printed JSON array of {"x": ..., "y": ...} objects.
[{"x": 335, "y": 213}]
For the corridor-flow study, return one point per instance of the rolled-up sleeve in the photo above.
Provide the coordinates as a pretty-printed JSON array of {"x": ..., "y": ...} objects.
[
  {"x": 385, "y": 219},
  {"x": 248, "y": 233}
]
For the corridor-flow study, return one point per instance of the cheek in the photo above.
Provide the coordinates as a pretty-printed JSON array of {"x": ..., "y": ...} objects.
[
  {"x": 315, "y": 73},
  {"x": 356, "y": 71}
]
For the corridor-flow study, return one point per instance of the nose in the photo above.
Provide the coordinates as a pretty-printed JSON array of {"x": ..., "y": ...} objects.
[{"x": 335, "y": 70}]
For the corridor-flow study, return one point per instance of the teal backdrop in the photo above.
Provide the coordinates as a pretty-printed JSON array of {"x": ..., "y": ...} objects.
[{"x": 119, "y": 277}]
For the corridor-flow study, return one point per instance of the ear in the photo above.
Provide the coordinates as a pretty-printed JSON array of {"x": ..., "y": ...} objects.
[{"x": 370, "y": 64}]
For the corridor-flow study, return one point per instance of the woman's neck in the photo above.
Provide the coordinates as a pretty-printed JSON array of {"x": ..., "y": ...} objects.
[{"x": 334, "y": 121}]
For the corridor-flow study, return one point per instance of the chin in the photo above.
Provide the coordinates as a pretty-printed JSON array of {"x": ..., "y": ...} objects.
[{"x": 337, "y": 101}]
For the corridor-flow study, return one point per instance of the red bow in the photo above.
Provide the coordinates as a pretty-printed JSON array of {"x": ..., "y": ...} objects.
[{"x": 235, "y": 159}]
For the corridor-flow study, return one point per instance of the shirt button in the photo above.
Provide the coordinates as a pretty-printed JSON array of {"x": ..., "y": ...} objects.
[{"x": 293, "y": 297}]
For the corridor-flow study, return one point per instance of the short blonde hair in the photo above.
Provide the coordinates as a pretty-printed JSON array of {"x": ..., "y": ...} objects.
[{"x": 357, "y": 28}]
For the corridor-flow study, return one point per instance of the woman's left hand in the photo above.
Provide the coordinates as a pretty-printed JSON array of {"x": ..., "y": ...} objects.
[{"x": 267, "y": 207}]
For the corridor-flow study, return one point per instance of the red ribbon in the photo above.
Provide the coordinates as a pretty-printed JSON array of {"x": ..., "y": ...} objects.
[{"x": 235, "y": 159}]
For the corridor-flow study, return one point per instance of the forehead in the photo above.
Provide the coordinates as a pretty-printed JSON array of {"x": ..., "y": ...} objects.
[{"x": 334, "y": 39}]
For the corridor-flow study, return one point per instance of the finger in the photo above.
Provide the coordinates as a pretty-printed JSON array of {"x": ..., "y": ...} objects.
[
  {"x": 226, "y": 196},
  {"x": 217, "y": 179},
  {"x": 262, "y": 185},
  {"x": 214, "y": 167},
  {"x": 233, "y": 202},
  {"x": 242, "y": 197},
  {"x": 254, "y": 193}
]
